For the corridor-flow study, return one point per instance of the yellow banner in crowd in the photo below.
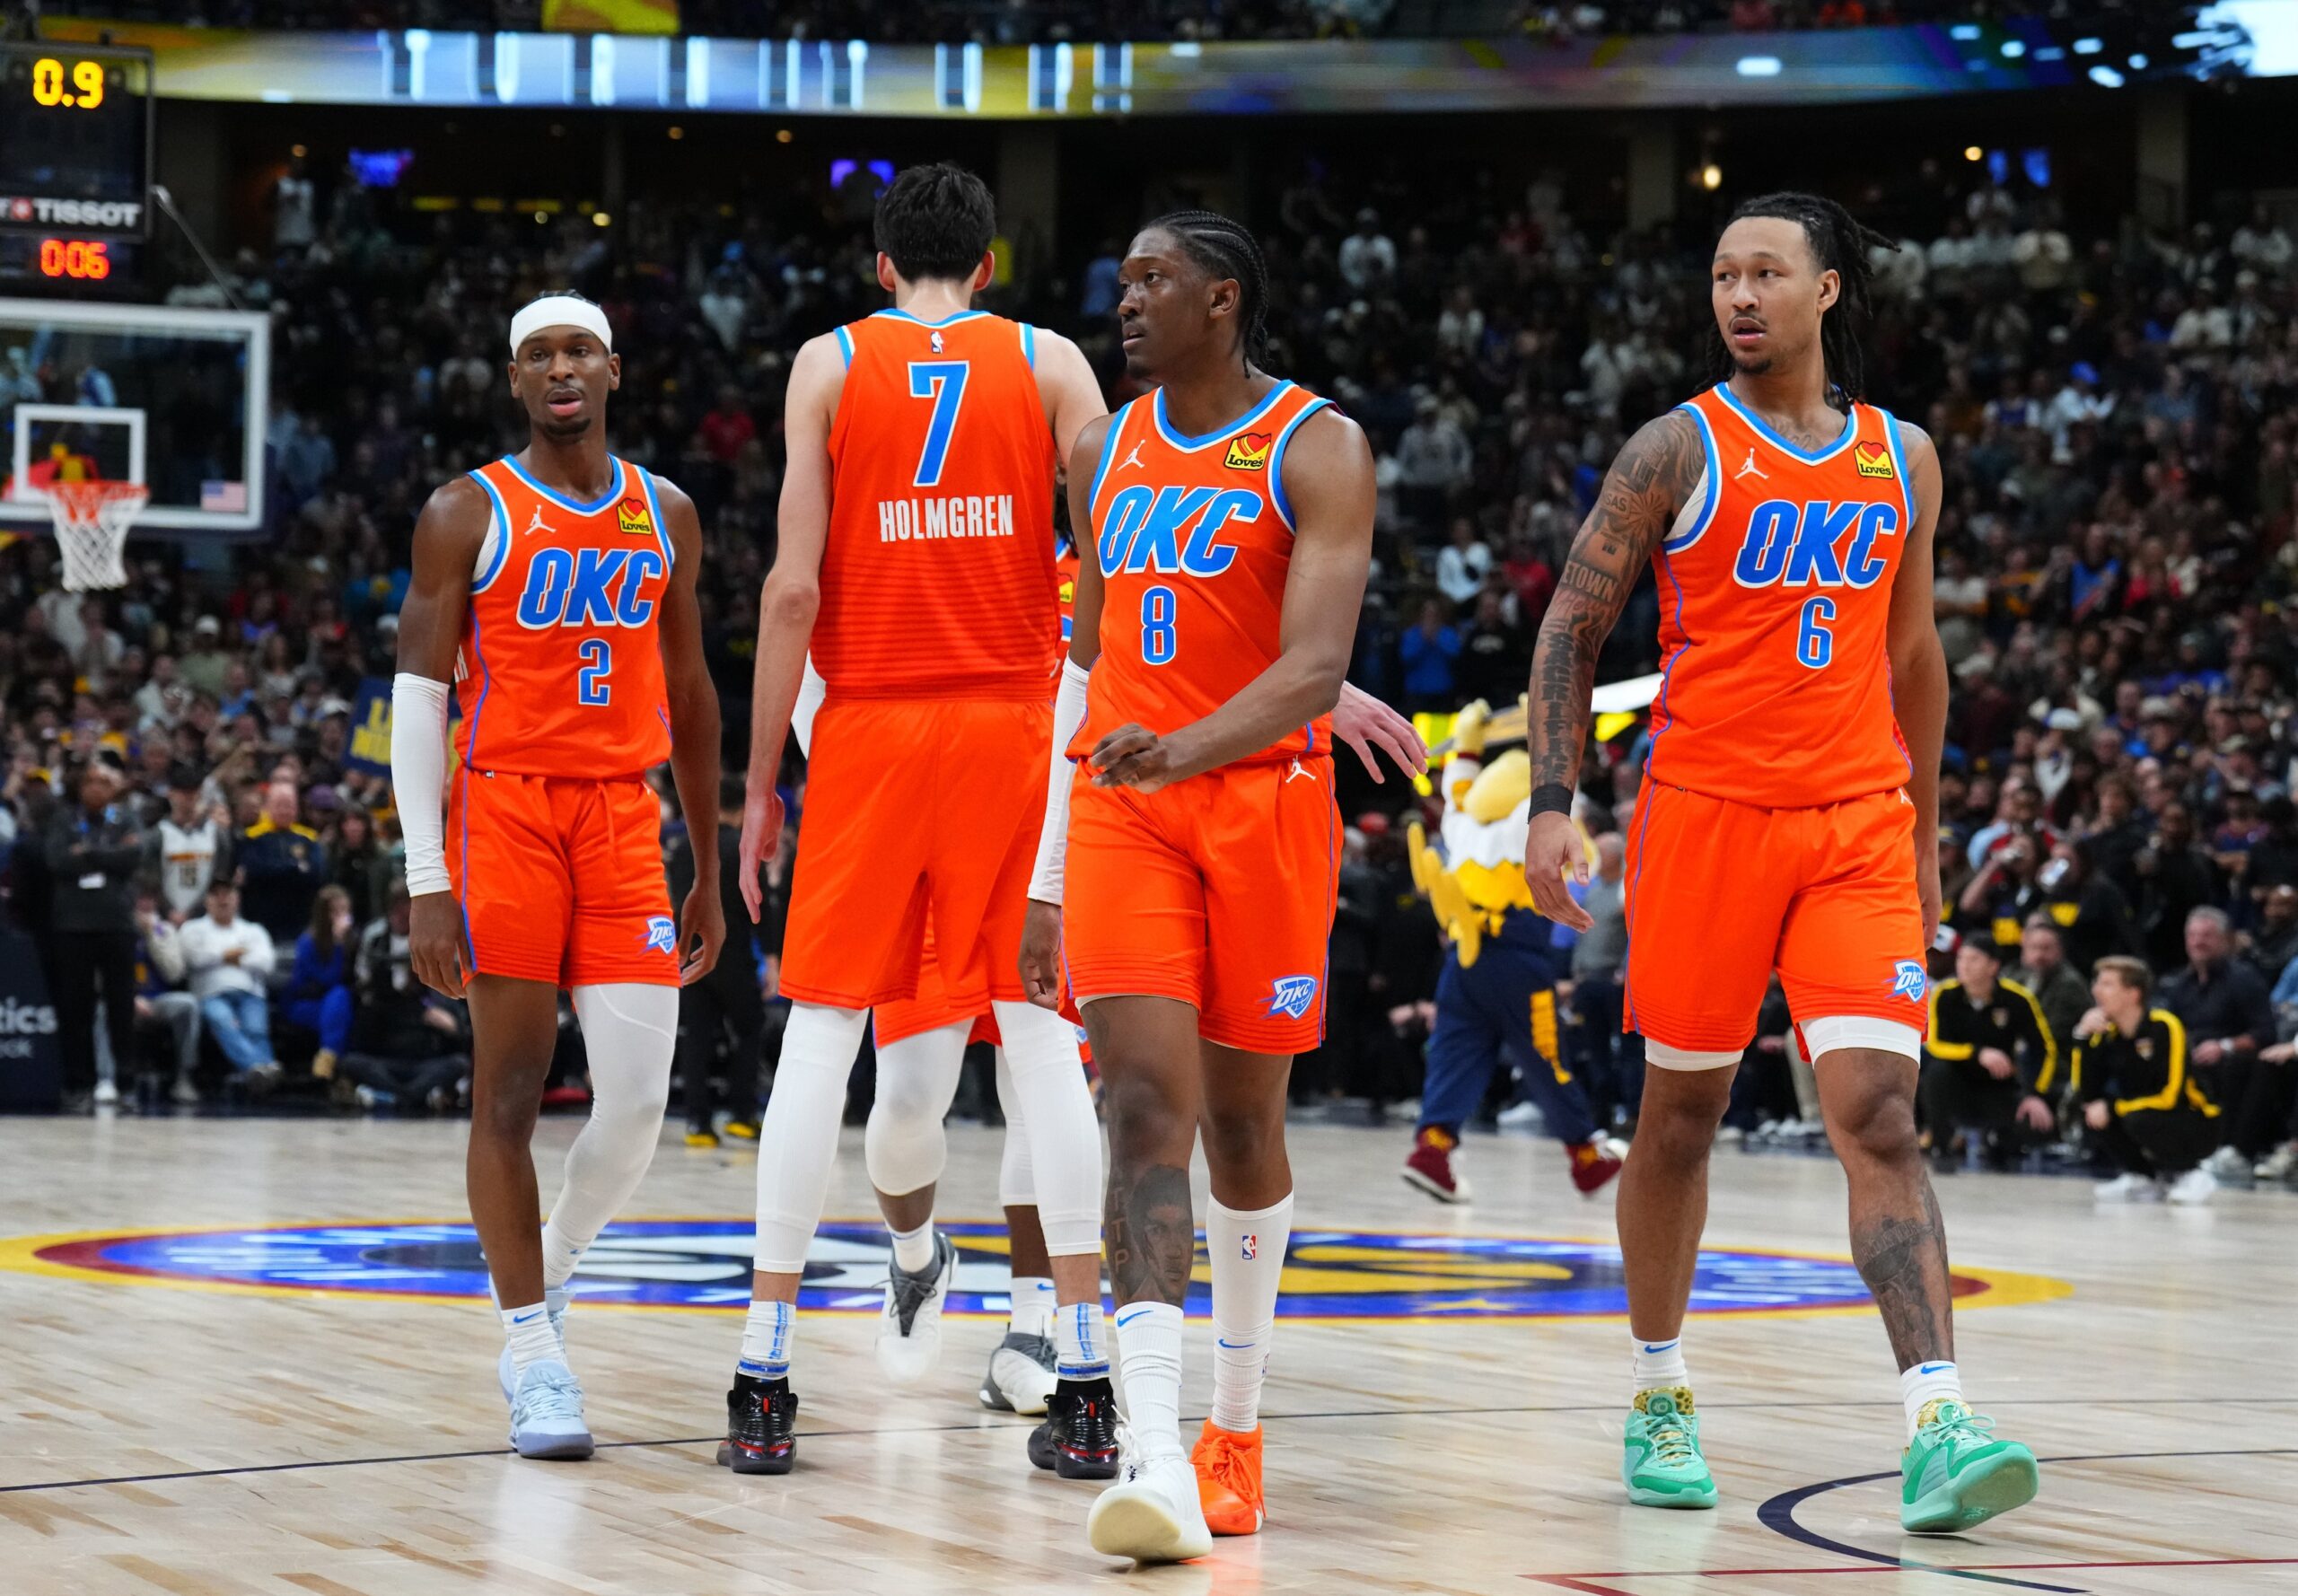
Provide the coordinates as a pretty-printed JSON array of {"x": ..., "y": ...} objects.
[{"x": 611, "y": 16}]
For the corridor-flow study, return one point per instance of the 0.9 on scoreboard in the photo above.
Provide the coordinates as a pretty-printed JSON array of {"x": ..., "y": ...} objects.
[{"x": 75, "y": 139}]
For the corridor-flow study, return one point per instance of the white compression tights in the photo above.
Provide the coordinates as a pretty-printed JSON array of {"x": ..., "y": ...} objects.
[
  {"x": 1056, "y": 1114},
  {"x": 797, "y": 1141},
  {"x": 917, "y": 1080},
  {"x": 1016, "y": 1186},
  {"x": 629, "y": 1031}
]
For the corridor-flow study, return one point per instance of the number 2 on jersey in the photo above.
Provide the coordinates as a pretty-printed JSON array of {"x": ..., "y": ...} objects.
[
  {"x": 1158, "y": 643},
  {"x": 590, "y": 689},
  {"x": 944, "y": 382}
]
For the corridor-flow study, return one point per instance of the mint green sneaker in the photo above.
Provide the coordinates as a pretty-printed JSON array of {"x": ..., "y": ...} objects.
[
  {"x": 1662, "y": 1467},
  {"x": 1955, "y": 1474}
]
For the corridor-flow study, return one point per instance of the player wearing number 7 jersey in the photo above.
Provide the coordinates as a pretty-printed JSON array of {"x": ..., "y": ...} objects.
[
  {"x": 1788, "y": 819},
  {"x": 917, "y": 559}
]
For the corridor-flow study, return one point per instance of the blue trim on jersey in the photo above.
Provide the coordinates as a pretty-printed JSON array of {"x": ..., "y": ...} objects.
[
  {"x": 1668, "y": 672},
  {"x": 1101, "y": 466},
  {"x": 1332, "y": 873},
  {"x": 846, "y": 346},
  {"x": 1642, "y": 826},
  {"x": 1763, "y": 430},
  {"x": 1898, "y": 464},
  {"x": 1182, "y": 441},
  {"x": 463, "y": 894},
  {"x": 654, "y": 513},
  {"x": 1029, "y": 345},
  {"x": 1276, "y": 460},
  {"x": 665, "y": 719},
  {"x": 951, "y": 321},
  {"x": 503, "y": 544},
  {"x": 485, "y": 680},
  {"x": 613, "y": 492},
  {"x": 1714, "y": 484}
]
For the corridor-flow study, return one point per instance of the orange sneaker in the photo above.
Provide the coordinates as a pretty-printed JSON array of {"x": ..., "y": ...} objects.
[{"x": 1228, "y": 1479}]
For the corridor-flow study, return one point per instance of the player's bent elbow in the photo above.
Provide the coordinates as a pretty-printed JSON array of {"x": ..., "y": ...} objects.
[{"x": 790, "y": 603}]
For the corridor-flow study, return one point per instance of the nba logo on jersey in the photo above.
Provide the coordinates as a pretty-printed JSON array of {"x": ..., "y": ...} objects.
[
  {"x": 663, "y": 933},
  {"x": 1908, "y": 981},
  {"x": 1250, "y": 1249},
  {"x": 1291, "y": 996}
]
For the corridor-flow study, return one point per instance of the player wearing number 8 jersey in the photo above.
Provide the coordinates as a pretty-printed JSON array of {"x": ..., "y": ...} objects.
[
  {"x": 1788, "y": 819},
  {"x": 917, "y": 559}
]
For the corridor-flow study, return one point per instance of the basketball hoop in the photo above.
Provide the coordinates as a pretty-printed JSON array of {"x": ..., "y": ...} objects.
[{"x": 92, "y": 520}]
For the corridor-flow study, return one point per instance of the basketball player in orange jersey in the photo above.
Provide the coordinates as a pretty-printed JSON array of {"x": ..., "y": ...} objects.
[
  {"x": 1788, "y": 819},
  {"x": 1227, "y": 521},
  {"x": 556, "y": 589},
  {"x": 917, "y": 560}
]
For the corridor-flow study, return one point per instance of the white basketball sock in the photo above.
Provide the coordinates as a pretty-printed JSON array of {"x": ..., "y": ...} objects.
[
  {"x": 1658, "y": 1365},
  {"x": 1248, "y": 1254},
  {"x": 1149, "y": 1347},
  {"x": 766, "y": 1340},
  {"x": 531, "y": 1339},
  {"x": 913, "y": 1249},
  {"x": 797, "y": 1141},
  {"x": 1080, "y": 1341},
  {"x": 1065, "y": 1137},
  {"x": 629, "y": 1033},
  {"x": 1922, "y": 1384},
  {"x": 1033, "y": 1301}
]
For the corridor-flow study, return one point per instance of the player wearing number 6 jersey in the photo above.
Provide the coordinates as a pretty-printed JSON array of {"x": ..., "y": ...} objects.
[
  {"x": 917, "y": 559},
  {"x": 556, "y": 589},
  {"x": 1226, "y": 524},
  {"x": 1788, "y": 819}
]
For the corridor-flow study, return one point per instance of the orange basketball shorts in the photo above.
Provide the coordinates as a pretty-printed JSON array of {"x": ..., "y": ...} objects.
[
  {"x": 1721, "y": 894},
  {"x": 561, "y": 880},
  {"x": 933, "y": 1008},
  {"x": 1217, "y": 891},
  {"x": 920, "y": 817}
]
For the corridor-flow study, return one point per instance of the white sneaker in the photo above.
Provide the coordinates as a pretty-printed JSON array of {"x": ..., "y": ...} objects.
[
  {"x": 909, "y": 1324},
  {"x": 2227, "y": 1165},
  {"x": 2193, "y": 1188},
  {"x": 1022, "y": 1374},
  {"x": 547, "y": 1414},
  {"x": 1521, "y": 1116},
  {"x": 2127, "y": 1188},
  {"x": 2279, "y": 1164},
  {"x": 1152, "y": 1514},
  {"x": 107, "y": 1094}
]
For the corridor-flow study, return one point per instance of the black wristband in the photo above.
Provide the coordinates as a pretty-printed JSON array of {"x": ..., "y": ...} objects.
[{"x": 1552, "y": 798}]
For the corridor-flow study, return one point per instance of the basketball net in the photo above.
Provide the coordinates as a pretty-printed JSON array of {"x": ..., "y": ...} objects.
[{"x": 92, "y": 520}]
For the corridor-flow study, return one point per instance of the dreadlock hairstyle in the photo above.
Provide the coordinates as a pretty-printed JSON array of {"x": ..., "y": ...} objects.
[
  {"x": 1839, "y": 244},
  {"x": 1227, "y": 249}
]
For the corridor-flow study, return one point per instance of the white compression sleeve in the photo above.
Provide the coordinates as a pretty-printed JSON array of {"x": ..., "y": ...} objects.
[
  {"x": 797, "y": 1141},
  {"x": 1065, "y": 1138},
  {"x": 629, "y": 1031},
  {"x": 1016, "y": 1184},
  {"x": 419, "y": 778},
  {"x": 917, "y": 1079},
  {"x": 1053, "y": 839},
  {"x": 811, "y": 691}
]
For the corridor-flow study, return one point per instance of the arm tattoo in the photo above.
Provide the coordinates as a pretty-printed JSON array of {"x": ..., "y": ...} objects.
[
  {"x": 1151, "y": 1236},
  {"x": 1903, "y": 1259},
  {"x": 1647, "y": 485}
]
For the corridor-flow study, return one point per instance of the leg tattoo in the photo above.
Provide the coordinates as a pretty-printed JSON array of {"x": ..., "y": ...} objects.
[
  {"x": 1903, "y": 1259},
  {"x": 1152, "y": 1239}
]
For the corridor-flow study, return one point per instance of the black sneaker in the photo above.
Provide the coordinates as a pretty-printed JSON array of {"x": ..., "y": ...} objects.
[
  {"x": 761, "y": 1426},
  {"x": 1078, "y": 1440}
]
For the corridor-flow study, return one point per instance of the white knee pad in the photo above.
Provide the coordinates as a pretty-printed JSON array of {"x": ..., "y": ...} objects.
[
  {"x": 629, "y": 1032},
  {"x": 1057, "y": 1112},
  {"x": 797, "y": 1140},
  {"x": 1662, "y": 1057},
  {"x": 1838, "y": 1032},
  {"x": 1016, "y": 1184},
  {"x": 917, "y": 1079}
]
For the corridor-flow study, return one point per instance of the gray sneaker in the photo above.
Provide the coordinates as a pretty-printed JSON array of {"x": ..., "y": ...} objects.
[
  {"x": 910, "y": 1325},
  {"x": 1020, "y": 1377}
]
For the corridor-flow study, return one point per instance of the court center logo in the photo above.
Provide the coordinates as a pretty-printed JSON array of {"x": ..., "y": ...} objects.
[{"x": 704, "y": 1263}]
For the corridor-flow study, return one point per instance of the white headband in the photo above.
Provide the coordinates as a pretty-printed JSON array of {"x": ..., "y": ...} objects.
[{"x": 560, "y": 310}]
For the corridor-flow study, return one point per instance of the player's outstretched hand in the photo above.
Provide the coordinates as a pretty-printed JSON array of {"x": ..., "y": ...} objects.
[
  {"x": 703, "y": 925},
  {"x": 1552, "y": 849},
  {"x": 1364, "y": 723},
  {"x": 434, "y": 941},
  {"x": 762, "y": 836},
  {"x": 1133, "y": 757},
  {"x": 1041, "y": 954}
]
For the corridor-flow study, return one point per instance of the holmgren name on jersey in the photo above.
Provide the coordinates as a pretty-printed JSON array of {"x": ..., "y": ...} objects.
[{"x": 973, "y": 515}]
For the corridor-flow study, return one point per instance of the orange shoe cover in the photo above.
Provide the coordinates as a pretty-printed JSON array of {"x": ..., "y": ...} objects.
[{"x": 1228, "y": 1479}]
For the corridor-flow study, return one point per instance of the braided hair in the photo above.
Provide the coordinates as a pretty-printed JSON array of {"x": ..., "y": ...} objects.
[
  {"x": 1226, "y": 248},
  {"x": 1839, "y": 243}
]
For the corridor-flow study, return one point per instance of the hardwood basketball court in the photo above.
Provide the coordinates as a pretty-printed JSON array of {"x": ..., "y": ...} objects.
[{"x": 288, "y": 1388}]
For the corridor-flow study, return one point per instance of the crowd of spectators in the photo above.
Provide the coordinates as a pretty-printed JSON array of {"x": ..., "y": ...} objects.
[{"x": 2113, "y": 408}]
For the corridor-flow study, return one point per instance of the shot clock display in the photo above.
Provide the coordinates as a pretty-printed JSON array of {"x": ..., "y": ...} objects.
[{"x": 76, "y": 140}]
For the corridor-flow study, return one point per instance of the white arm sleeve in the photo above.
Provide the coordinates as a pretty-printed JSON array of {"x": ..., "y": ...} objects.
[
  {"x": 811, "y": 691},
  {"x": 1053, "y": 841},
  {"x": 419, "y": 778}
]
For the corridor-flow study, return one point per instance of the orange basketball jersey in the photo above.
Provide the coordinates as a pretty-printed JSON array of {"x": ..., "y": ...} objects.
[
  {"x": 561, "y": 668},
  {"x": 1195, "y": 540},
  {"x": 938, "y": 576},
  {"x": 1775, "y": 607}
]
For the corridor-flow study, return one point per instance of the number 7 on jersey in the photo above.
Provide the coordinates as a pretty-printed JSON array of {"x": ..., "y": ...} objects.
[{"x": 944, "y": 382}]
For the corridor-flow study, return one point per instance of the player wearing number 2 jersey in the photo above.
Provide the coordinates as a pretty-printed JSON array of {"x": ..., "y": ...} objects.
[
  {"x": 1788, "y": 819},
  {"x": 917, "y": 559}
]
